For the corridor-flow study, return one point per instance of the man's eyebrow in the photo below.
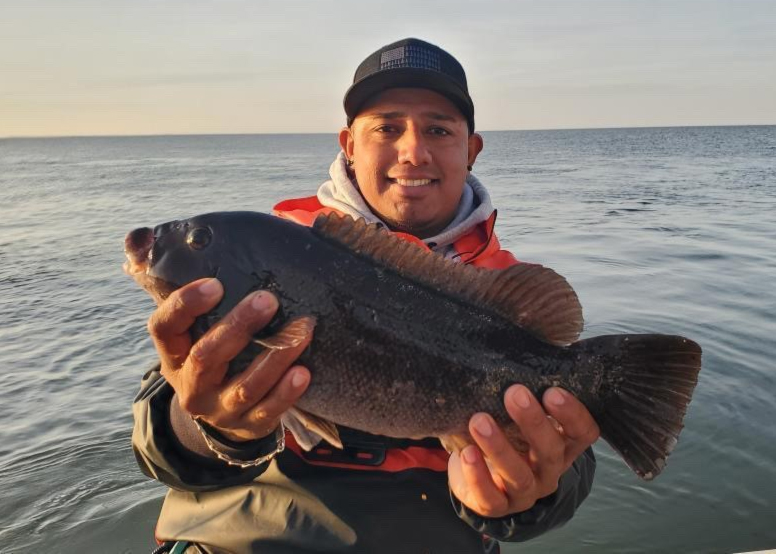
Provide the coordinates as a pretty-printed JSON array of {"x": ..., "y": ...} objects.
[{"x": 386, "y": 115}]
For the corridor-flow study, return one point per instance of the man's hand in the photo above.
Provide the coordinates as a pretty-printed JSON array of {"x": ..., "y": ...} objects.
[
  {"x": 495, "y": 480},
  {"x": 246, "y": 406}
]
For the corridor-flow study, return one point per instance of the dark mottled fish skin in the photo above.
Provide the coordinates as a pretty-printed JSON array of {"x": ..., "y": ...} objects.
[{"x": 396, "y": 357}]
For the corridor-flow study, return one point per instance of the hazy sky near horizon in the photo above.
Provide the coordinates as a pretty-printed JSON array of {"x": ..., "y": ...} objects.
[{"x": 120, "y": 67}]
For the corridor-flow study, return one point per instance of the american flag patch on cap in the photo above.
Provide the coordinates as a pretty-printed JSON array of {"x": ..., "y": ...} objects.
[{"x": 410, "y": 56}]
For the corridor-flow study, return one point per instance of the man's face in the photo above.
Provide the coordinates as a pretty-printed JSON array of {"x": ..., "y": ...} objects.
[{"x": 410, "y": 149}]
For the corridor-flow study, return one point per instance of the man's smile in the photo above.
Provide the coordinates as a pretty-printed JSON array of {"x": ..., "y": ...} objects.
[{"x": 410, "y": 182}]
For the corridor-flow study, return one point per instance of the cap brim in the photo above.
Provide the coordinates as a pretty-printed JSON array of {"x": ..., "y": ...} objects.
[{"x": 359, "y": 93}]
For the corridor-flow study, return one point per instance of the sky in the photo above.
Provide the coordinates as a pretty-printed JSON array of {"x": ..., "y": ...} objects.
[{"x": 140, "y": 67}]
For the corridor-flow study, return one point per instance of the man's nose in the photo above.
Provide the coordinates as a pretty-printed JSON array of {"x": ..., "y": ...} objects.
[{"x": 413, "y": 148}]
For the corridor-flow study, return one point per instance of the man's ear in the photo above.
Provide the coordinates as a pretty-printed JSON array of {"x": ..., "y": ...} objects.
[
  {"x": 475, "y": 147},
  {"x": 346, "y": 142}
]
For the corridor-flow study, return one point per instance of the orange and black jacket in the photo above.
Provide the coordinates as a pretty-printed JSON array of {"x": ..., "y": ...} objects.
[{"x": 377, "y": 495}]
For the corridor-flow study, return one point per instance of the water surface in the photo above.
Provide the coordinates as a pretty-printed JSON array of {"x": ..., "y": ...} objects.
[{"x": 668, "y": 230}]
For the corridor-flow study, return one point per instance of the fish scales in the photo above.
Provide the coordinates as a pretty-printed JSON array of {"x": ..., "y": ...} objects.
[
  {"x": 409, "y": 345},
  {"x": 399, "y": 344},
  {"x": 404, "y": 345}
]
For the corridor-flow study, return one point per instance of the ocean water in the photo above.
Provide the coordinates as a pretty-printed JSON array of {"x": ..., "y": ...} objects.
[{"x": 666, "y": 230}]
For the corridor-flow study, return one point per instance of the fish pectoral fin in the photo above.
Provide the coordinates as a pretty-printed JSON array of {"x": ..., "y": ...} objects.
[
  {"x": 322, "y": 427},
  {"x": 305, "y": 438},
  {"x": 292, "y": 334}
]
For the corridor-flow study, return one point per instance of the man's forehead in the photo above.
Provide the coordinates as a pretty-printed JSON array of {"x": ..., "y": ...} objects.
[
  {"x": 399, "y": 114},
  {"x": 401, "y": 102}
]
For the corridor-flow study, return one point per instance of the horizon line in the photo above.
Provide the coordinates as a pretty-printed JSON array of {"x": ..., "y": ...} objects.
[{"x": 161, "y": 135}]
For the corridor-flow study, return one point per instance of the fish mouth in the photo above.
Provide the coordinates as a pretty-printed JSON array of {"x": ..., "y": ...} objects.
[{"x": 138, "y": 248}]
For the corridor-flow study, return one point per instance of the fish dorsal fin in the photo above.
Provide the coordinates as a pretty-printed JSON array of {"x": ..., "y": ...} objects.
[{"x": 531, "y": 296}]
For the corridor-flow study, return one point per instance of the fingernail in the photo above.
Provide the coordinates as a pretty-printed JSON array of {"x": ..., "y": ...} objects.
[
  {"x": 261, "y": 301},
  {"x": 521, "y": 397},
  {"x": 469, "y": 455},
  {"x": 299, "y": 379},
  {"x": 482, "y": 425},
  {"x": 209, "y": 288},
  {"x": 555, "y": 397}
]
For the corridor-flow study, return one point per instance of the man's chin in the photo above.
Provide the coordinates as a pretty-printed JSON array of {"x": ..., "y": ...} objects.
[{"x": 421, "y": 228}]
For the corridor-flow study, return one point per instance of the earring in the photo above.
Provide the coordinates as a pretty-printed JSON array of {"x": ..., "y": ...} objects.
[
  {"x": 350, "y": 163},
  {"x": 469, "y": 167}
]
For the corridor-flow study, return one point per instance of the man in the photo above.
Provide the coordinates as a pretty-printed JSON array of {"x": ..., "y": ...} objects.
[{"x": 241, "y": 483}]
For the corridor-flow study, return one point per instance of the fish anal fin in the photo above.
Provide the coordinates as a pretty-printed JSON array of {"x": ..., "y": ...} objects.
[
  {"x": 323, "y": 427},
  {"x": 530, "y": 296},
  {"x": 456, "y": 442},
  {"x": 290, "y": 335}
]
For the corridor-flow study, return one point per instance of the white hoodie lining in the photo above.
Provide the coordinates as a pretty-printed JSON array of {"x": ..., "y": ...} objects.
[{"x": 342, "y": 194}]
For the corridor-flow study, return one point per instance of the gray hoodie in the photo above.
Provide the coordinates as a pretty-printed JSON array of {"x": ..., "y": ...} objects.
[{"x": 342, "y": 194}]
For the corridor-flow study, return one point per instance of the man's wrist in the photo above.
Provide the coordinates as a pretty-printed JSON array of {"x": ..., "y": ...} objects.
[
  {"x": 230, "y": 438},
  {"x": 192, "y": 440},
  {"x": 241, "y": 453}
]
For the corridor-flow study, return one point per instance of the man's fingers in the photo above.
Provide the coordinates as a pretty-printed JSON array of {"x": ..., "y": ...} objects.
[
  {"x": 547, "y": 447},
  {"x": 262, "y": 375},
  {"x": 479, "y": 492},
  {"x": 579, "y": 427},
  {"x": 504, "y": 460},
  {"x": 286, "y": 392},
  {"x": 169, "y": 324},
  {"x": 175, "y": 315},
  {"x": 210, "y": 355}
]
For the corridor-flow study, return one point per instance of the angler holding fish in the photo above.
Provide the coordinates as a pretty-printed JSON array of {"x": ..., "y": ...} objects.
[{"x": 315, "y": 369}]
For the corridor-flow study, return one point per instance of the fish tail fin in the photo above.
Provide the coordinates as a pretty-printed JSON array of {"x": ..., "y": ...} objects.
[{"x": 645, "y": 385}]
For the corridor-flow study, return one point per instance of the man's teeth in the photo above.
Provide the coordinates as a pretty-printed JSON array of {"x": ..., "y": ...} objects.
[{"x": 413, "y": 182}]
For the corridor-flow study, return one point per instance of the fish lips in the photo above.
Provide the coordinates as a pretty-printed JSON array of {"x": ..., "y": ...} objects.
[{"x": 138, "y": 248}]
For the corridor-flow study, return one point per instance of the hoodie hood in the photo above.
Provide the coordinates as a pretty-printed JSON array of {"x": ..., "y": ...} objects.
[{"x": 342, "y": 194}]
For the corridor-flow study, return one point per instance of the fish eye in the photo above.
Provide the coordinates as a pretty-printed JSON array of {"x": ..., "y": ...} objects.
[{"x": 199, "y": 238}]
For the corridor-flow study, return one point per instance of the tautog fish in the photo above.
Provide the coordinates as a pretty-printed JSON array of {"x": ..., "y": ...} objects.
[{"x": 408, "y": 344}]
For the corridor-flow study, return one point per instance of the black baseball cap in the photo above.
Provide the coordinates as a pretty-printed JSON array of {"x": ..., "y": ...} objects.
[{"x": 411, "y": 63}]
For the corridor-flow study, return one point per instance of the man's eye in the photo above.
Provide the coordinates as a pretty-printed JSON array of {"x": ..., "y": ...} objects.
[
  {"x": 386, "y": 129},
  {"x": 439, "y": 131}
]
